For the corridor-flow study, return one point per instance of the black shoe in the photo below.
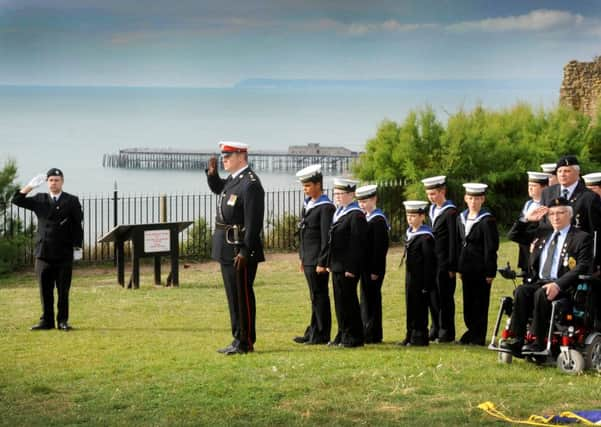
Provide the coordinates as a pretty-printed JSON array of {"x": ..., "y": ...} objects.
[
  {"x": 512, "y": 345},
  {"x": 317, "y": 342},
  {"x": 534, "y": 347},
  {"x": 42, "y": 326},
  {"x": 225, "y": 349},
  {"x": 446, "y": 339},
  {"x": 433, "y": 335},
  {"x": 64, "y": 326},
  {"x": 403, "y": 343},
  {"x": 300, "y": 340},
  {"x": 350, "y": 344},
  {"x": 235, "y": 350}
]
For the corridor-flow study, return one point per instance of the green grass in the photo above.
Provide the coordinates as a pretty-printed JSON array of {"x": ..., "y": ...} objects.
[{"x": 147, "y": 357}]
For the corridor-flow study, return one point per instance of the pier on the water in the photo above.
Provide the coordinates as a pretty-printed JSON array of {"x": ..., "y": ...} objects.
[{"x": 332, "y": 159}]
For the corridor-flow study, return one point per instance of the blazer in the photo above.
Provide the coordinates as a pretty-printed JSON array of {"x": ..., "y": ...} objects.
[
  {"x": 347, "y": 243},
  {"x": 377, "y": 246},
  {"x": 241, "y": 202},
  {"x": 420, "y": 262},
  {"x": 444, "y": 228},
  {"x": 478, "y": 249},
  {"x": 314, "y": 231},
  {"x": 575, "y": 258},
  {"x": 59, "y": 227}
]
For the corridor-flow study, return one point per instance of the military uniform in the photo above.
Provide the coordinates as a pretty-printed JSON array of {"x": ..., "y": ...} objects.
[
  {"x": 59, "y": 231},
  {"x": 314, "y": 228},
  {"x": 477, "y": 260},
  {"x": 238, "y": 231},
  {"x": 420, "y": 279},
  {"x": 346, "y": 253}
]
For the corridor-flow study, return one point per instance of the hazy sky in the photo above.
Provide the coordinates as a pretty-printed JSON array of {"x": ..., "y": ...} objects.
[{"x": 217, "y": 43}]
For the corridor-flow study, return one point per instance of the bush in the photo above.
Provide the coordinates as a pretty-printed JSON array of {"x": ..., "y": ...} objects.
[
  {"x": 199, "y": 240},
  {"x": 282, "y": 233}
]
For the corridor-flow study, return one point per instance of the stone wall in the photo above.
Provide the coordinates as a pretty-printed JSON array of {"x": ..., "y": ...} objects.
[{"x": 581, "y": 86}]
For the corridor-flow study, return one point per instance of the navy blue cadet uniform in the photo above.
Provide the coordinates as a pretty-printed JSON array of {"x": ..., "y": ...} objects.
[
  {"x": 59, "y": 231},
  {"x": 240, "y": 211}
]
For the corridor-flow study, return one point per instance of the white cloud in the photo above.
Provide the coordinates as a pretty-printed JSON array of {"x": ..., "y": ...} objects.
[
  {"x": 536, "y": 20},
  {"x": 364, "y": 28}
]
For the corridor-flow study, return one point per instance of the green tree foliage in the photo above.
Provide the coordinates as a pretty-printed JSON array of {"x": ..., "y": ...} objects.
[
  {"x": 199, "y": 241},
  {"x": 490, "y": 146},
  {"x": 282, "y": 233},
  {"x": 13, "y": 239}
]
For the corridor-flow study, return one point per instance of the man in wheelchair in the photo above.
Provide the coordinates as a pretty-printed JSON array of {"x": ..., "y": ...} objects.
[{"x": 557, "y": 259}]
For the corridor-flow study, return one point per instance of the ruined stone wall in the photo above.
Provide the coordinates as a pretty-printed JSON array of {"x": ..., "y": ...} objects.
[{"x": 581, "y": 86}]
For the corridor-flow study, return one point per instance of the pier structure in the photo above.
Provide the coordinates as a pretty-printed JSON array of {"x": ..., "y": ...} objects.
[{"x": 332, "y": 159}]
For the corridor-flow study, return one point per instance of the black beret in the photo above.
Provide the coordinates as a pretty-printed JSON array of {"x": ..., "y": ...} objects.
[
  {"x": 54, "y": 172},
  {"x": 569, "y": 160},
  {"x": 558, "y": 201}
]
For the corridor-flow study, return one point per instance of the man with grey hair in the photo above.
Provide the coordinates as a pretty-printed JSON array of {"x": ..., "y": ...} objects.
[{"x": 557, "y": 258}]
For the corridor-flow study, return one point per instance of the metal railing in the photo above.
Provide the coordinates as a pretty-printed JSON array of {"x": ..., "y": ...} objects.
[{"x": 103, "y": 212}]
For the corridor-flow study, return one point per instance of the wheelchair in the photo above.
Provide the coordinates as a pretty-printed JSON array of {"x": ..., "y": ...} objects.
[{"x": 573, "y": 341}]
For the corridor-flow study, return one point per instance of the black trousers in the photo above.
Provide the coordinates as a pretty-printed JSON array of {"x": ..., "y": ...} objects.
[
  {"x": 416, "y": 304},
  {"x": 241, "y": 303},
  {"x": 446, "y": 291},
  {"x": 434, "y": 305},
  {"x": 371, "y": 307},
  {"x": 531, "y": 299},
  {"x": 348, "y": 312},
  {"x": 319, "y": 329},
  {"x": 476, "y": 299},
  {"x": 54, "y": 274}
]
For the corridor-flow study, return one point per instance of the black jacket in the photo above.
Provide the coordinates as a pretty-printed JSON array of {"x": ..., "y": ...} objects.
[
  {"x": 347, "y": 243},
  {"x": 241, "y": 202},
  {"x": 377, "y": 246},
  {"x": 420, "y": 262},
  {"x": 478, "y": 250},
  {"x": 444, "y": 228},
  {"x": 59, "y": 224},
  {"x": 314, "y": 229},
  {"x": 575, "y": 256}
]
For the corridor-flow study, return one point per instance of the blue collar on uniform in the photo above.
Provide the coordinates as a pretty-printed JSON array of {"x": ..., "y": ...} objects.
[
  {"x": 424, "y": 229},
  {"x": 375, "y": 213},
  {"x": 309, "y": 203},
  {"x": 340, "y": 212}
]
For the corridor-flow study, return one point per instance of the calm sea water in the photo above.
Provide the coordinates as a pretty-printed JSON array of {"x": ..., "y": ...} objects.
[{"x": 71, "y": 128}]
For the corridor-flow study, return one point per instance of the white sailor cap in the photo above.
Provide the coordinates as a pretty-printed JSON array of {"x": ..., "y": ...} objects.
[
  {"x": 592, "y": 178},
  {"x": 366, "y": 192},
  {"x": 415, "y": 206},
  {"x": 310, "y": 174},
  {"x": 549, "y": 168},
  {"x": 229, "y": 147},
  {"x": 348, "y": 185},
  {"x": 434, "y": 182},
  {"x": 538, "y": 177},
  {"x": 475, "y": 188}
]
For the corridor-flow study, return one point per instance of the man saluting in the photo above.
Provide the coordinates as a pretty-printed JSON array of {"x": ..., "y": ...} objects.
[{"x": 237, "y": 242}]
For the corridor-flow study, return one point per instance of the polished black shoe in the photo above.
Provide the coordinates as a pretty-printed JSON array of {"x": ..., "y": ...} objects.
[
  {"x": 350, "y": 344},
  {"x": 534, "y": 347},
  {"x": 225, "y": 349},
  {"x": 512, "y": 345},
  {"x": 333, "y": 343},
  {"x": 300, "y": 340},
  {"x": 235, "y": 350},
  {"x": 433, "y": 335},
  {"x": 42, "y": 326},
  {"x": 64, "y": 326}
]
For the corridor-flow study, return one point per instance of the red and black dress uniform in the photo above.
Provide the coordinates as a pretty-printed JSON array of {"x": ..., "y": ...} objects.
[
  {"x": 479, "y": 243},
  {"x": 420, "y": 279},
  {"x": 59, "y": 231},
  {"x": 238, "y": 231},
  {"x": 572, "y": 257},
  {"x": 371, "y": 290},
  {"x": 346, "y": 253},
  {"x": 314, "y": 228},
  {"x": 444, "y": 228}
]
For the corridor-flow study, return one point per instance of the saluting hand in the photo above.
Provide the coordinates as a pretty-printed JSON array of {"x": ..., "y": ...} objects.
[{"x": 212, "y": 166}]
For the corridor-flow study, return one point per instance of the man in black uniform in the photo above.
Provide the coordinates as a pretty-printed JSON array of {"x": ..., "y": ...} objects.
[
  {"x": 346, "y": 255},
  {"x": 58, "y": 241},
  {"x": 372, "y": 275},
  {"x": 443, "y": 217},
  {"x": 593, "y": 182},
  {"x": 237, "y": 242},
  {"x": 557, "y": 258},
  {"x": 314, "y": 227}
]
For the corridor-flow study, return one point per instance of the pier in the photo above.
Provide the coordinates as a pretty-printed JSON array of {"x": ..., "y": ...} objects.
[{"x": 332, "y": 159}]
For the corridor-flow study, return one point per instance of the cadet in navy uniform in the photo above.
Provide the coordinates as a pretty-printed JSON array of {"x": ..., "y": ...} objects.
[
  {"x": 372, "y": 275},
  {"x": 346, "y": 255},
  {"x": 551, "y": 170},
  {"x": 593, "y": 182},
  {"x": 477, "y": 262},
  {"x": 420, "y": 273},
  {"x": 585, "y": 204},
  {"x": 558, "y": 257},
  {"x": 58, "y": 242},
  {"x": 237, "y": 242},
  {"x": 537, "y": 182},
  {"x": 443, "y": 217},
  {"x": 314, "y": 228}
]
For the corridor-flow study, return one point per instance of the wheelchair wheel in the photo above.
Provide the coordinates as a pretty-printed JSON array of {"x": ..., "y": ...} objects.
[
  {"x": 571, "y": 364},
  {"x": 503, "y": 357},
  {"x": 592, "y": 353}
]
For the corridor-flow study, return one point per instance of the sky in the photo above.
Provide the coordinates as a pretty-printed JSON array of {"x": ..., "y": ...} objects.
[{"x": 198, "y": 43}]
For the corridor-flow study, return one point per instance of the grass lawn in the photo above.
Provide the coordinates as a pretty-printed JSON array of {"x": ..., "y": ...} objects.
[{"x": 147, "y": 357}]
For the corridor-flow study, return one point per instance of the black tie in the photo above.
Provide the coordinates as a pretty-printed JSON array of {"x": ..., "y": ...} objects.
[
  {"x": 565, "y": 193},
  {"x": 548, "y": 265},
  {"x": 55, "y": 199}
]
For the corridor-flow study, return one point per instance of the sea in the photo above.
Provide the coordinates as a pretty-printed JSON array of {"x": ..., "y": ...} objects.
[{"x": 73, "y": 127}]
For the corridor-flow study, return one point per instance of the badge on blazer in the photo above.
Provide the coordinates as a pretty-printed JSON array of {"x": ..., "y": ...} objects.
[
  {"x": 232, "y": 200},
  {"x": 571, "y": 263}
]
